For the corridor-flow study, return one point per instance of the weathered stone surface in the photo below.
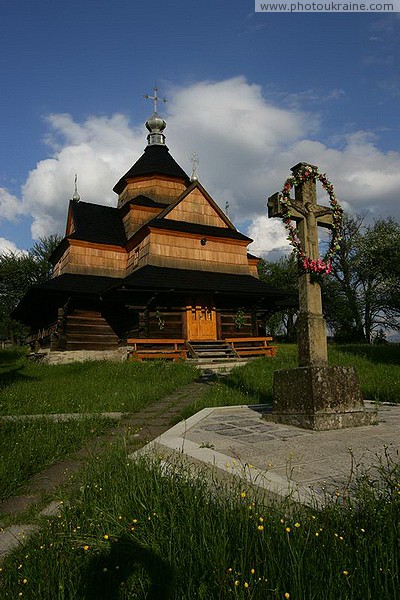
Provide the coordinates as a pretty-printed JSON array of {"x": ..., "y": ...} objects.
[{"x": 319, "y": 397}]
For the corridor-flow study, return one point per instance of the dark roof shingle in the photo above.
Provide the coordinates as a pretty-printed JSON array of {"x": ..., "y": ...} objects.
[{"x": 97, "y": 223}]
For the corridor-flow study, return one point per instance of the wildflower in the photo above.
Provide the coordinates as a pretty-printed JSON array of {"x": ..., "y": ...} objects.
[
  {"x": 316, "y": 534},
  {"x": 24, "y": 581},
  {"x": 237, "y": 583},
  {"x": 243, "y": 494},
  {"x": 297, "y": 525},
  {"x": 287, "y": 529},
  {"x": 252, "y": 571},
  {"x": 105, "y": 536},
  {"x": 85, "y": 548},
  {"x": 261, "y": 520},
  {"x": 345, "y": 572},
  {"x": 260, "y": 527},
  {"x": 287, "y": 595},
  {"x": 363, "y": 530},
  {"x": 246, "y": 585}
]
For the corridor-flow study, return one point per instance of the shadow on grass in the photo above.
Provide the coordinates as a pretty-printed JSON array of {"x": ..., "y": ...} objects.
[
  {"x": 384, "y": 354},
  {"x": 14, "y": 375},
  {"x": 127, "y": 567}
]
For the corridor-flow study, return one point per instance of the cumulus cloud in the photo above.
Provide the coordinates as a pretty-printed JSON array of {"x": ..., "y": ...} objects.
[
  {"x": 246, "y": 146},
  {"x": 9, "y": 246}
]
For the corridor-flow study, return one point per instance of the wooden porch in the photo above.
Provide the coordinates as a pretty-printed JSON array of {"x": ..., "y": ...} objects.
[{"x": 180, "y": 349}]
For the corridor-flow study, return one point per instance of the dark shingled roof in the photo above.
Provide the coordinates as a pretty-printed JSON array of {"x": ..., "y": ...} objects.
[
  {"x": 146, "y": 201},
  {"x": 155, "y": 160},
  {"x": 160, "y": 278},
  {"x": 97, "y": 223},
  {"x": 185, "y": 226}
]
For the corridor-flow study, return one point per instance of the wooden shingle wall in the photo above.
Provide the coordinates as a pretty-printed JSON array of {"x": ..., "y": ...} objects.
[
  {"x": 156, "y": 188},
  {"x": 186, "y": 252},
  {"x": 195, "y": 208},
  {"x": 92, "y": 260}
]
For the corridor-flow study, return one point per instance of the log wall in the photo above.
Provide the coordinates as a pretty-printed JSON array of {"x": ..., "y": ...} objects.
[
  {"x": 89, "y": 330},
  {"x": 229, "y": 328}
]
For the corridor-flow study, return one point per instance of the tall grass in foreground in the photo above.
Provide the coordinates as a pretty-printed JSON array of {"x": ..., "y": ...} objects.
[
  {"x": 148, "y": 531},
  {"x": 27, "y": 447},
  {"x": 90, "y": 387},
  {"x": 377, "y": 367}
]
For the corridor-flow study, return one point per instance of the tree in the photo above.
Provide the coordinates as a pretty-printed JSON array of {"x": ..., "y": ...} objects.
[
  {"x": 18, "y": 272},
  {"x": 282, "y": 274},
  {"x": 362, "y": 297}
]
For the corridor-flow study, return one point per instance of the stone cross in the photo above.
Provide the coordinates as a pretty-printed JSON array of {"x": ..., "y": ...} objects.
[{"x": 311, "y": 329}]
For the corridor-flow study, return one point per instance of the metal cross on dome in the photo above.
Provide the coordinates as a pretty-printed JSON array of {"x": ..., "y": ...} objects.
[{"x": 155, "y": 98}]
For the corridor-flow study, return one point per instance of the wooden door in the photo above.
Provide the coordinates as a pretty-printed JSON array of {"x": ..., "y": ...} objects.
[{"x": 201, "y": 320}]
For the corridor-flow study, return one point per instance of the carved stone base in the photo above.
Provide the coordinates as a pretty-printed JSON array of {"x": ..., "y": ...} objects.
[{"x": 319, "y": 398}]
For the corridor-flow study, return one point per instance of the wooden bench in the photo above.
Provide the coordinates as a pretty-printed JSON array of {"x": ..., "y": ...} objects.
[
  {"x": 155, "y": 349},
  {"x": 257, "y": 346}
]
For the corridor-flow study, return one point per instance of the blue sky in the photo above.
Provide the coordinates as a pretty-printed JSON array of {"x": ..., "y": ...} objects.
[{"x": 251, "y": 93}]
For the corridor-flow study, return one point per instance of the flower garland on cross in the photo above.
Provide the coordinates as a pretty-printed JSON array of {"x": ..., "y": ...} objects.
[{"x": 319, "y": 266}]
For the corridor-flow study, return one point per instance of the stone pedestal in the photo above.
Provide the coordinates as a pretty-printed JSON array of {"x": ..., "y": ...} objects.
[{"x": 320, "y": 398}]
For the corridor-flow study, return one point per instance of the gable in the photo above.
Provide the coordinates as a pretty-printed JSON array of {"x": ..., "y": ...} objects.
[{"x": 197, "y": 207}]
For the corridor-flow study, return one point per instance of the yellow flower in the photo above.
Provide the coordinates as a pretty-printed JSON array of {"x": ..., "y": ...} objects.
[
  {"x": 252, "y": 571},
  {"x": 297, "y": 525},
  {"x": 260, "y": 527},
  {"x": 261, "y": 520},
  {"x": 105, "y": 536},
  {"x": 345, "y": 572},
  {"x": 246, "y": 585},
  {"x": 237, "y": 582},
  {"x": 287, "y": 595},
  {"x": 243, "y": 494},
  {"x": 85, "y": 548},
  {"x": 287, "y": 529},
  {"x": 24, "y": 581},
  {"x": 316, "y": 534}
]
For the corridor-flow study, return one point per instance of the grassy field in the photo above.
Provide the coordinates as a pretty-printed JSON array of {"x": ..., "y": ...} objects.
[
  {"x": 377, "y": 367},
  {"x": 137, "y": 531},
  {"x": 27, "y": 447},
  {"x": 89, "y": 387}
]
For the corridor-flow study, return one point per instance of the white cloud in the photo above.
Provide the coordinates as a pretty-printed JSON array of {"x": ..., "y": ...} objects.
[
  {"x": 9, "y": 246},
  {"x": 10, "y": 206},
  {"x": 246, "y": 146}
]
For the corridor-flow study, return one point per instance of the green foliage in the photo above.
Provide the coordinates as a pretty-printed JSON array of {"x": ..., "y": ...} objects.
[
  {"x": 282, "y": 274},
  {"x": 363, "y": 295},
  {"x": 19, "y": 272}
]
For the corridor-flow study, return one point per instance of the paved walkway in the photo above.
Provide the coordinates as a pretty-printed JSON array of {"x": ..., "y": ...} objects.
[{"x": 309, "y": 465}]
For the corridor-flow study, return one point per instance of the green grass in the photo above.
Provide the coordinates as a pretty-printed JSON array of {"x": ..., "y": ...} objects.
[
  {"x": 27, "y": 447},
  {"x": 134, "y": 532},
  {"x": 377, "y": 367},
  {"x": 88, "y": 387}
]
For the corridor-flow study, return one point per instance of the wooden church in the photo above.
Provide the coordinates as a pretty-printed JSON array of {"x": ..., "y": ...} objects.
[{"x": 162, "y": 271}]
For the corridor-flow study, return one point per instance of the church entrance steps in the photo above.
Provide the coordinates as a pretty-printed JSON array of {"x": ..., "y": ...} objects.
[
  {"x": 212, "y": 350},
  {"x": 218, "y": 367}
]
